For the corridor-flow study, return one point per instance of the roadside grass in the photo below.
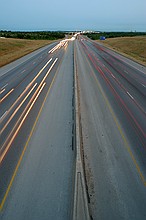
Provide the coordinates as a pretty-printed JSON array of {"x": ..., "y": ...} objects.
[
  {"x": 12, "y": 49},
  {"x": 132, "y": 47}
]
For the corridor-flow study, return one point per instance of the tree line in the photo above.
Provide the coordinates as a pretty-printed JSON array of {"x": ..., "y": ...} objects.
[
  {"x": 96, "y": 36},
  {"x": 36, "y": 35}
]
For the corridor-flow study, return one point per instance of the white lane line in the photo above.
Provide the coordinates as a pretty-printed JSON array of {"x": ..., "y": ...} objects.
[
  {"x": 20, "y": 96},
  {"x": 143, "y": 85},
  {"x": 2, "y": 91},
  {"x": 7, "y": 95},
  {"x": 30, "y": 92},
  {"x": 53, "y": 49},
  {"x": 3, "y": 115},
  {"x": 58, "y": 46},
  {"x": 49, "y": 69},
  {"x": 29, "y": 85},
  {"x": 126, "y": 71},
  {"x": 37, "y": 92},
  {"x": 130, "y": 95},
  {"x": 113, "y": 76},
  {"x": 16, "y": 110},
  {"x": 23, "y": 71},
  {"x": 39, "y": 73},
  {"x": 20, "y": 125},
  {"x": 124, "y": 61},
  {"x": 4, "y": 86}
]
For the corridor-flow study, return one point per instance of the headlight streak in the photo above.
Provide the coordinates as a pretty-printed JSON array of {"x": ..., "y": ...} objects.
[
  {"x": 21, "y": 123},
  {"x": 16, "y": 110},
  {"x": 31, "y": 81},
  {"x": 22, "y": 118},
  {"x": 30, "y": 84},
  {"x": 6, "y": 95}
]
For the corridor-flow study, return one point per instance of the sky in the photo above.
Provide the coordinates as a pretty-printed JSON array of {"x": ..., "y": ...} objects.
[{"x": 68, "y": 15}]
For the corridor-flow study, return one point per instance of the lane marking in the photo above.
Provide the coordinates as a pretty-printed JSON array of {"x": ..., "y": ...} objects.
[
  {"x": 120, "y": 129},
  {"x": 120, "y": 57},
  {"x": 20, "y": 125},
  {"x": 130, "y": 95},
  {"x": 59, "y": 45},
  {"x": 50, "y": 69},
  {"x": 25, "y": 147},
  {"x": 21, "y": 117},
  {"x": 2, "y": 91},
  {"x": 29, "y": 85},
  {"x": 53, "y": 49},
  {"x": 18, "y": 99},
  {"x": 121, "y": 133},
  {"x": 23, "y": 71},
  {"x": 143, "y": 85},
  {"x": 9, "y": 144},
  {"x": 4, "y": 86},
  {"x": 121, "y": 85},
  {"x": 116, "y": 93},
  {"x": 40, "y": 72},
  {"x": 7, "y": 95},
  {"x": 16, "y": 110},
  {"x": 3, "y": 115},
  {"x": 134, "y": 67},
  {"x": 126, "y": 71},
  {"x": 113, "y": 76}
]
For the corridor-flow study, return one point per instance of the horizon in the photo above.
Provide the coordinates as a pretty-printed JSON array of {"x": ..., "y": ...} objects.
[
  {"x": 87, "y": 30},
  {"x": 128, "y": 15}
]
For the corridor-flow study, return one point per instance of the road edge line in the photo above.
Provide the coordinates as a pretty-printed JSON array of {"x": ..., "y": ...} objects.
[{"x": 25, "y": 147}]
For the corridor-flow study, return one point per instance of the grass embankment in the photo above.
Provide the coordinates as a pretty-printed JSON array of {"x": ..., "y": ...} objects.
[
  {"x": 132, "y": 47},
  {"x": 12, "y": 49}
]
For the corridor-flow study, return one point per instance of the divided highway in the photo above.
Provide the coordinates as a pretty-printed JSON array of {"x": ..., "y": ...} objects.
[{"x": 37, "y": 152}]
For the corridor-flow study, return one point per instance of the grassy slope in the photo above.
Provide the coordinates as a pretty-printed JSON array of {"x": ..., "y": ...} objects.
[
  {"x": 12, "y": 49},
  {"x": 133, "y": 47}
]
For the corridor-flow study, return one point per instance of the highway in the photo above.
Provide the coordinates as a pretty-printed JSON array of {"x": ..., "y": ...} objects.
[
  {"x": 37, "y": 152},
  {"x": 37, "y": 159},
  {"x": 113, "y": 118}
]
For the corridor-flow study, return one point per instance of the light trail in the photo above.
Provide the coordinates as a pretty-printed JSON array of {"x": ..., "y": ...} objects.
[
  {"x": 16, "y": 110},
  {"x": 20, "y": 125},
  {"x": 34, "y": 97},
  {"x": 6, "y": 95},
  {"x": 30, "y": 84}
]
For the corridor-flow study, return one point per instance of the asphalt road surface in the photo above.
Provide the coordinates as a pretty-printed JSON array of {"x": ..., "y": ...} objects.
[
  {"x": 37, "y": 152},
  {"x": 37, "y": 159},
  {"x": 113, "y": 117}
]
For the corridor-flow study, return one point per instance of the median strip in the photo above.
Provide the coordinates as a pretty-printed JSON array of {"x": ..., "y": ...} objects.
[{"x": 80, "y": 209}]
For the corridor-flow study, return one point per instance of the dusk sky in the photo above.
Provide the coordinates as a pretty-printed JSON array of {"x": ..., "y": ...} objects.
[{"x": 104, "y": 15}]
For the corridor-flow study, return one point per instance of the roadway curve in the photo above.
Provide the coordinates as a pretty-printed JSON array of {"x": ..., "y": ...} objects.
[{"x": 113, "y": 118}]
